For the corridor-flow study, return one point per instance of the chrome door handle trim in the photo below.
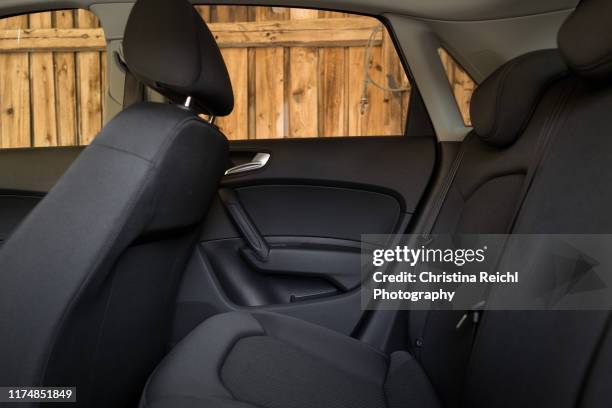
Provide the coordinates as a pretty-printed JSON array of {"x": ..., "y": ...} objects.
[{"x": 258, "y": 162}]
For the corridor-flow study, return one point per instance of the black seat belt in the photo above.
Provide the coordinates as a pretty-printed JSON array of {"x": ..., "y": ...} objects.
[{"x": 418, "y": 319}]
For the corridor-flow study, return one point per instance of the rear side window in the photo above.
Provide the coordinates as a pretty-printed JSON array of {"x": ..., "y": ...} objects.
[
  {"x": 295, "y": 73},
  {"x": 308, "y": 73},
  {"x": 52, "y": 79}
]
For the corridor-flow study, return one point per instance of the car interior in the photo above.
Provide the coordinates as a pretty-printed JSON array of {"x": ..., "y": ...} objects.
[{"x": 165, "y": 266}]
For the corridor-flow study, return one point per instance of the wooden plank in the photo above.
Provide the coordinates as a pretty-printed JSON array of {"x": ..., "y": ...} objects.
[
  {"x": 88, "y": 85},
  {"x": 65, "y": 86},
  {"x": 251, "y": 78},
  {"x": 303, "y": 93},
  {"x": 333, "y": 86},
  {"x": 370, "y": 121},
  {"x": 307, "y": 33},
  {"x": 51, "y": 39},
  {"x": 303, "y": 14},
  {"x": 333, "y": 14},
  {"x": 332, "y": 92},
  {"x": 14, "y": 92},
  {"x": 236, "y": 125},
  {"x": 265, "y": 13},
  {"x": 230, "y": 14},
  {"x": 269, "y": 78},
  {"x": 204, "y": 12},
  {"x": 393, "y": 77},
  {"x": 338, "y": 32},
  {"x": 269, "y": 93},
  {"x": 42, "y": 83},
  {"x": 303, "y": 98}
]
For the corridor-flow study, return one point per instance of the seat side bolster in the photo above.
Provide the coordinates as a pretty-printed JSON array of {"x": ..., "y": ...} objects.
[{"x": 192, "y": 368}]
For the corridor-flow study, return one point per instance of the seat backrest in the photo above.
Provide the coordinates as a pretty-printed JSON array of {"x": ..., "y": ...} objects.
[
  {"x": 88, "y": 280},
  {"x": 560, "y": 358},
  {"x": 485, "y": 192}
]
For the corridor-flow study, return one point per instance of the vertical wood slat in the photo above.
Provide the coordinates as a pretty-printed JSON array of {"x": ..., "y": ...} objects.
[
  {"x": 65, "y": 86},
  {"x": 334, "y": 86},
  {"x": 14, "y": 92},
  {"x": 270, "y": 81},
  {"x": 89, "y": 85},
  {"x": 230, "y": 14},
  {"x": 392, "y": 125},
  {"x": 303, "y": 86},
  {"x": 269, "y": 93},
  {"x": 42, "y": 83},
  {"x": 370, "y": 122},
  {"x": 204, "y": 12},
  {"x": 236, "y": 125}
]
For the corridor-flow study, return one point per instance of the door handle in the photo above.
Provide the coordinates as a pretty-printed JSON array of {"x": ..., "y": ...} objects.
[{"x": 258, "y": 161}]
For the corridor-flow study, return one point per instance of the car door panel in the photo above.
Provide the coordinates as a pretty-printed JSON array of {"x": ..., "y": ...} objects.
[{"x": 309, "y": 205}]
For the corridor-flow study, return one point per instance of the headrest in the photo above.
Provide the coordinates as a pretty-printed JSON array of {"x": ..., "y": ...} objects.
[
  {"x": 168, "y": 46},
  {"x": 502, "y": 105},
  {"x": 585, "y": 39}
]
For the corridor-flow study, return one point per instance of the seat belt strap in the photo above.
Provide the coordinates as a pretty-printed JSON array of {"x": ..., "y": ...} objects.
[
  {"x": 418, "y": 319},
  {"x": 432, "y": 216}
]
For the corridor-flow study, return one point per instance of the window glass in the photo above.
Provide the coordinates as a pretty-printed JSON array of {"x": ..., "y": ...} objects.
[
  {"x": 308, "y": 73},
  {"x": 461, "y": 84},
  {"x": 52, "y": 79}
]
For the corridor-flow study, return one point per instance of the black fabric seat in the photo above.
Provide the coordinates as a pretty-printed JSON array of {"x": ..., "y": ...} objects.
[
  {"x": 88, "y": 280},
  {"x": 543, "y": 359},
  {"x": 486, "y": 191},
  {"x": 268, "y": 360}
]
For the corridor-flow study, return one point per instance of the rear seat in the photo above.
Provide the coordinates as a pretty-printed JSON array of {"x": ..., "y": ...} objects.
[
  {"x": 540, "y": 359},
  {"x": 560, "y": 359},
  {"x": 510, "y": 111}
]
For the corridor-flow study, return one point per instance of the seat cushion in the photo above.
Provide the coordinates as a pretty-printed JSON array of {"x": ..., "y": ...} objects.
[{"x": 267, "y": 360}]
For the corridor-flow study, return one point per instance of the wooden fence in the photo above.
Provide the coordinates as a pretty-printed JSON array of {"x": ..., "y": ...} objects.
[
  {"x": 295, "y": 73},
  {"x": 51, "y": 94}
]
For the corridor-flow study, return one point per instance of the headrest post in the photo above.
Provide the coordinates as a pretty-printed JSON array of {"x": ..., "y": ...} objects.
[
  {"x": 187, "y": 102},
  {"x": 211, "y": 119}
]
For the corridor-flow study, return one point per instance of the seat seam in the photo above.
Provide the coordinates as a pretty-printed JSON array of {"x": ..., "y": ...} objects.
[{"x": 120, "y": 150}]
